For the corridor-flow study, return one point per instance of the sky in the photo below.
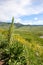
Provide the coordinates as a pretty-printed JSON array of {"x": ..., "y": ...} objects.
[{"x": 24, "y": 11}]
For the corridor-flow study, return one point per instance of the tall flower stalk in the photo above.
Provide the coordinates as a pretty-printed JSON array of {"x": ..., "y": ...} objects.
[{"x": 11, "y": 32}]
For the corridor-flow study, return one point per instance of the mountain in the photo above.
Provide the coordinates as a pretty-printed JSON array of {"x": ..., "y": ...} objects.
[
  {"x": 21, "y": 26},
  {"x": 6, "y": 25},
  {"x": 16, "y": 24}
]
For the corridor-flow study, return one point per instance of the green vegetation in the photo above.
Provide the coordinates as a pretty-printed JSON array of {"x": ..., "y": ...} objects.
[{"x": 21, "y": 44}]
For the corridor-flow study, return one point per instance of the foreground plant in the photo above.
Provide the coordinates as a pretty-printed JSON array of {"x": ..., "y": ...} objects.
[{"x": 13, "y": 52}]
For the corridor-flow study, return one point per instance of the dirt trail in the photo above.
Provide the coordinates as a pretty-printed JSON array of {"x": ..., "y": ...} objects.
[{"x": 1, "y": 62}]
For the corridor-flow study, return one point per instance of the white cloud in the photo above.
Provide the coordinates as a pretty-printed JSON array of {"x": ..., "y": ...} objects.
[
  {"x": 18, "y": 20},
  {"x": 38, "y": 22},
  {"x": 35, "y": 18},
  {"x": 14, "y": 8},
  {"x": 18, "y": 8}
]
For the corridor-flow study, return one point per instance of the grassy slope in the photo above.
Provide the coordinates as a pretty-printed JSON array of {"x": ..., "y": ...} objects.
[{"x": 28, "y": 36}]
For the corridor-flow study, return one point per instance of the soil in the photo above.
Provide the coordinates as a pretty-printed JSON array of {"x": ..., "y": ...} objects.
[{"x": 1, "y": 62}]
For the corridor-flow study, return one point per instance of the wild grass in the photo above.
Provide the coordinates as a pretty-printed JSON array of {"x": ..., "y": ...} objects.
[{"x": 21, "y": 46}]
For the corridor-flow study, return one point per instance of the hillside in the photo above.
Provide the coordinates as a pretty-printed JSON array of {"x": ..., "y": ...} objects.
[
  {"x": 36, "y": 29},
  {"x": 19, "y": 25},
  {"x": 21, "y": 44}
]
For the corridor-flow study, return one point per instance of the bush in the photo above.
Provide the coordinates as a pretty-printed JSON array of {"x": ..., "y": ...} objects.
[{"x": 14, "y": 53}]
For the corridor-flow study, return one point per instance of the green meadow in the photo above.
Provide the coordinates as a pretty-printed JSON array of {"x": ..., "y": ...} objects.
[{"x": 21, "y": 44}]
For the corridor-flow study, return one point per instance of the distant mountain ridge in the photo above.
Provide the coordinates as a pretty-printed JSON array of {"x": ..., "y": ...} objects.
[
  {"x": 21, "y": 27},
  {"x": 17, "y": 25}
]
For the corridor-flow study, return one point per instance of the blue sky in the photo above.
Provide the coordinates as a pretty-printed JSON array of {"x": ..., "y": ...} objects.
[{"x": 24, "y": 11}]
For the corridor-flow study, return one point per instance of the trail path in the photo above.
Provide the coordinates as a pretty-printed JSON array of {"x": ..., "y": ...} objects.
[{"x": 1, "y": 62}]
